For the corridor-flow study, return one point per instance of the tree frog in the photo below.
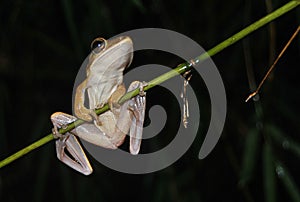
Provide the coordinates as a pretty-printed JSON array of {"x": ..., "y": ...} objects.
[{"x": 103, "y": 84}]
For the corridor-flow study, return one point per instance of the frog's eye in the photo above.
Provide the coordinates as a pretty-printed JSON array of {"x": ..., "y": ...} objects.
[{"x": 98, "y": 45}]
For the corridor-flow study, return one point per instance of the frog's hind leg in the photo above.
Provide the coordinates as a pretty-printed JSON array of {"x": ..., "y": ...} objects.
[
  {"x": 137, "y": 106},
  {"x": 75, "y": 156},
  {"x": 93, "y": 134}
]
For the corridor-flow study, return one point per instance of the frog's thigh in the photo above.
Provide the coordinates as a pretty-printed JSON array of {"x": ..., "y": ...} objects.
[{"x": 89, "y": 132}]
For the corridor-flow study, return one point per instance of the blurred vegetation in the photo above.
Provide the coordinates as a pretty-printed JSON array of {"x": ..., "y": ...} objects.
[{"x": 42, "y": 46}]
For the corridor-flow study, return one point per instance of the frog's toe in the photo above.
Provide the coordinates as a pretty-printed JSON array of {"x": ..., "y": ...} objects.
[
  {"x": 139, "y": 101},
  {"x": 137, "y": 106},
  {"x": 55, "y": 133},
  {"x": 142, "y": 85}
]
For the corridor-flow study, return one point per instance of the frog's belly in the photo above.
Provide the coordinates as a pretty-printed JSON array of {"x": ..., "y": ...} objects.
[{"x": 98, "y": 96}]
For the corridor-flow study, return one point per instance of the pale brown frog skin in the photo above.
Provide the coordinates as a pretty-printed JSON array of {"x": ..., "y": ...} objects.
[{"x": 104, "y": 84}]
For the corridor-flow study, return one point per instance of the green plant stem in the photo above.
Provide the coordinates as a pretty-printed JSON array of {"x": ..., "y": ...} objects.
[
  {"x": 27, "y": 149},
  {"x": 288, "y": 182},
  {"x": 178, "y": 70}
]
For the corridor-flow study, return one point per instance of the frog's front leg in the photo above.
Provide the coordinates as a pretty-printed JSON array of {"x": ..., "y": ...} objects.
[
  {"x": 77, "y": 158},
  {"x": 80, "y": 110}
]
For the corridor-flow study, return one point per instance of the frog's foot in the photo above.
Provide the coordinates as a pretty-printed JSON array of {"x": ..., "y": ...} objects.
[
  {"x": 75, "y": 157},
  {"x": 85, "y": 114},
  {"x": 137, "y": 106},
  {"x": 60, "y": 120},
  {"x": 138, "y": 103},
  {"x": 92, "y": 116}
]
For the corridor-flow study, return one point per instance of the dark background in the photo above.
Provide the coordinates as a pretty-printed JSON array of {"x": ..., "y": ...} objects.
[{"x": 42, "y": 45}]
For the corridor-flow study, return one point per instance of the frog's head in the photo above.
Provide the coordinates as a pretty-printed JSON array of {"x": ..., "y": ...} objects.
[{"x": 111, "y": 55}]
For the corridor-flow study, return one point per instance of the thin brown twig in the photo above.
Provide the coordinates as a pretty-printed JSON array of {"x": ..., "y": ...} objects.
[{"x": 273, "y": 65}]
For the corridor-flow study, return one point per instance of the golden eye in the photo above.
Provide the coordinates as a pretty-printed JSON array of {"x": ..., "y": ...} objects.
[{"x": 98, "y": 45}]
